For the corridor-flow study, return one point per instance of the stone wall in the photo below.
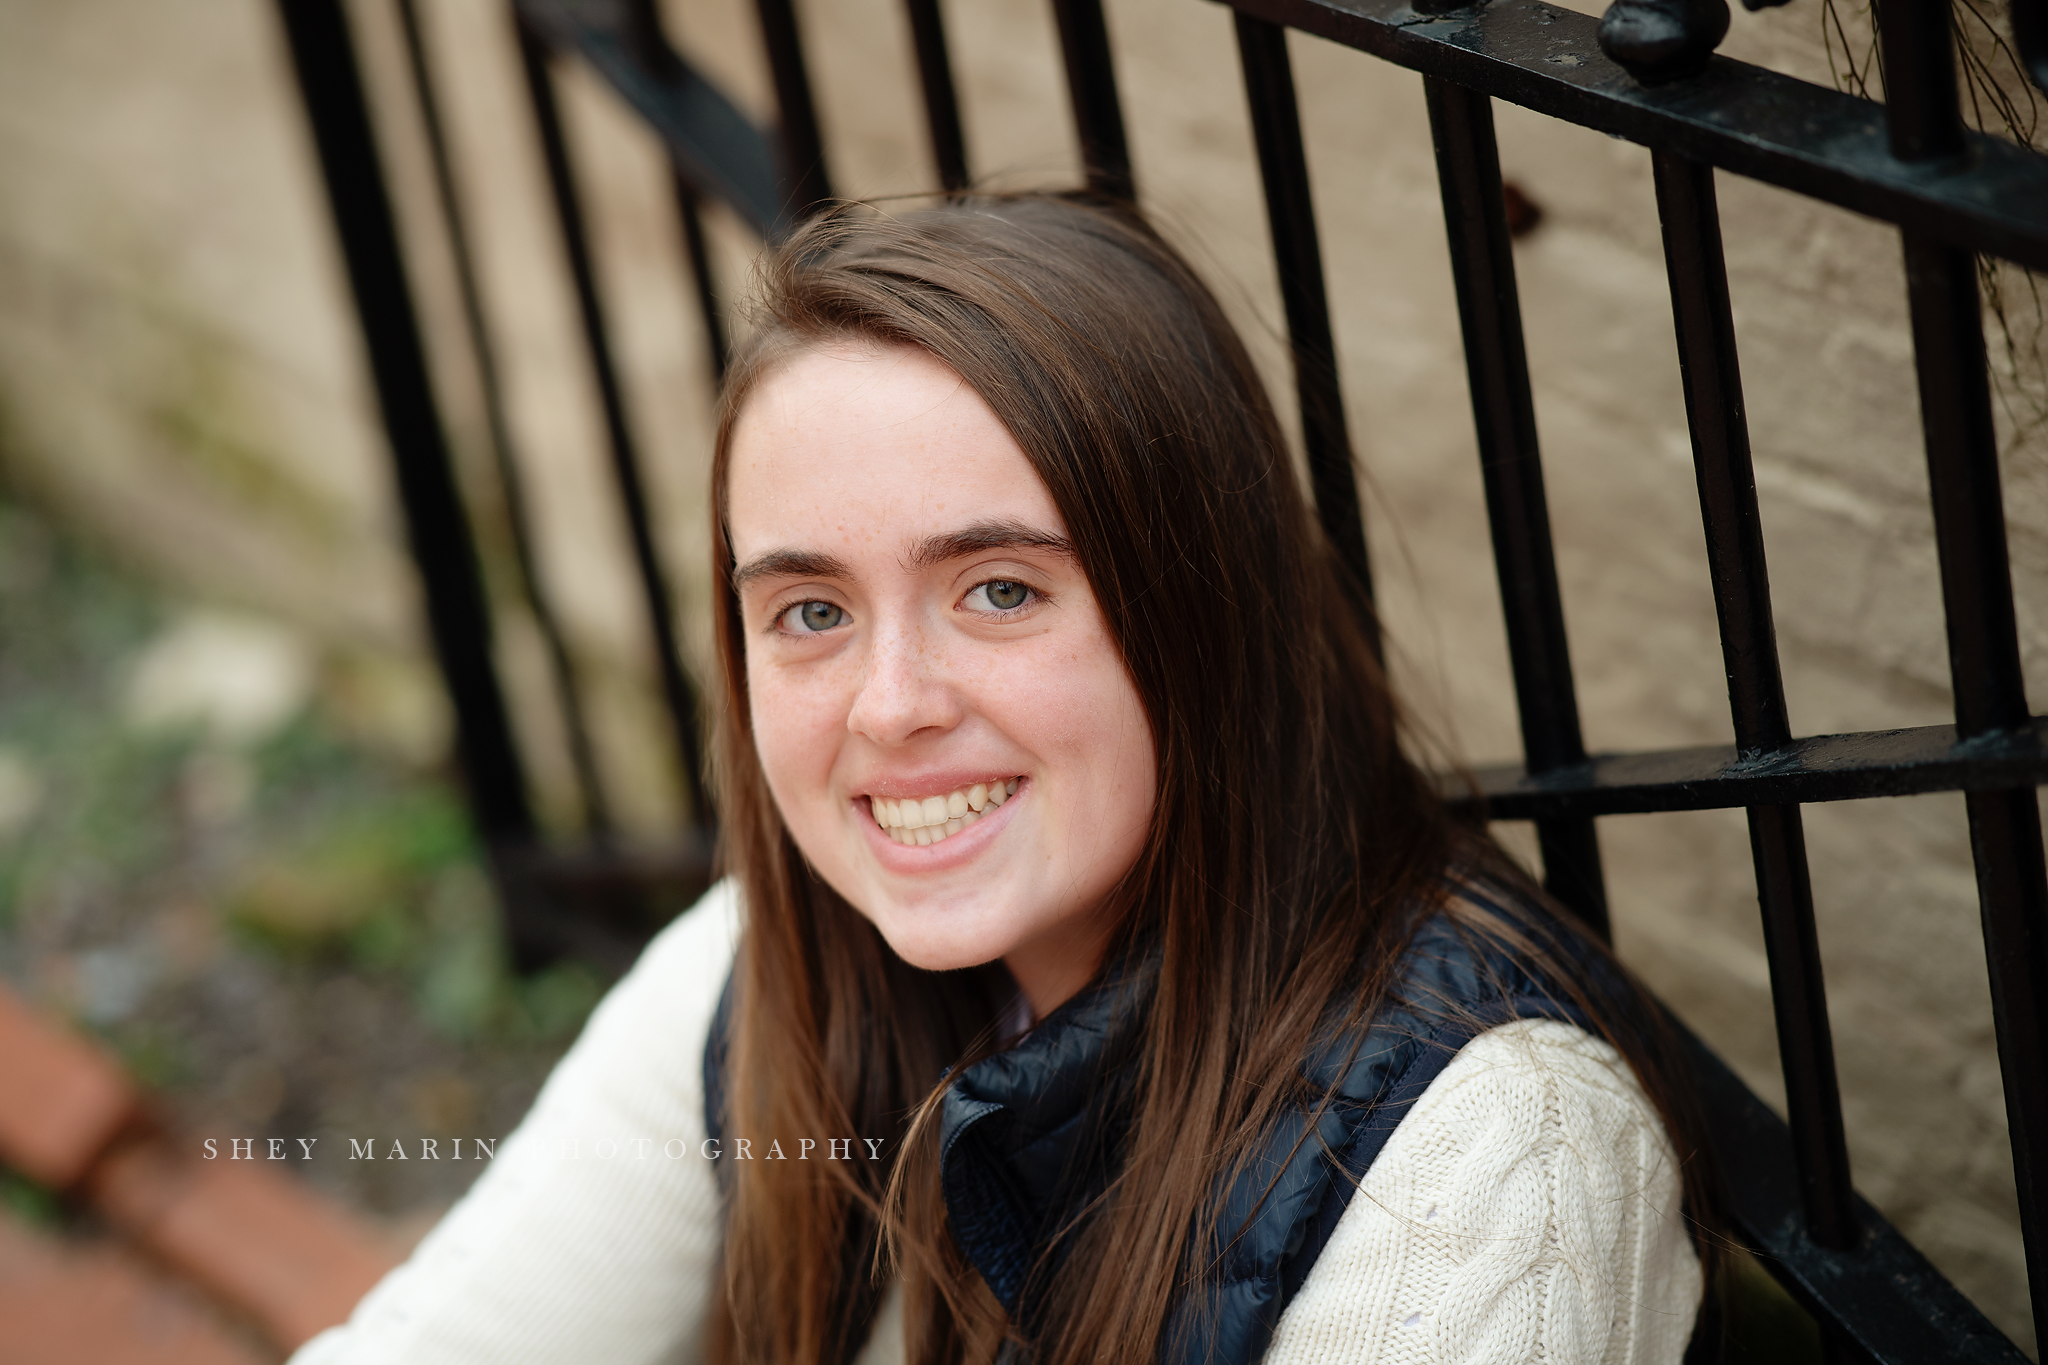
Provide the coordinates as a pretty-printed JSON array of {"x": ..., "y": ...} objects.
[{"x": 180, "y": 374}]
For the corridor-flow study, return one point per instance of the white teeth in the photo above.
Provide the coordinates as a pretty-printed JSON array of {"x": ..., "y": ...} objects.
[{"x": 921, "y": 822}]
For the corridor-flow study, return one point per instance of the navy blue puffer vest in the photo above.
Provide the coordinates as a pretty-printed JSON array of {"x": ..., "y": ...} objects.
[{"x": 1030, "y": 1135}]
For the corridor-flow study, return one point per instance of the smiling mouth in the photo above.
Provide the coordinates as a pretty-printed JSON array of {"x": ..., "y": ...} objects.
[{"x": 927, "y": 820}]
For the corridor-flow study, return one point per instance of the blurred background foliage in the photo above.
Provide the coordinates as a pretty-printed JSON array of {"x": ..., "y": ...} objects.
[{"x": 282, "y": 929}]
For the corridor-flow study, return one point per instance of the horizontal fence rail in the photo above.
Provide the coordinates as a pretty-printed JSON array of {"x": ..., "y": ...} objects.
[
  {"x": 1757, "y": 123},
  {"x": 1719, "y": 776},
  {"x": 1954, "y": 194}
]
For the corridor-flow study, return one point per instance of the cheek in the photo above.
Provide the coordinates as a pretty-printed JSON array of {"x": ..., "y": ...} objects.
[
  {"x": 1112, "y": 805},
  {"x": 1130, "y": 765},
  {"x": 794, "y": 722},
  {"x": 1105, "y": 730}
]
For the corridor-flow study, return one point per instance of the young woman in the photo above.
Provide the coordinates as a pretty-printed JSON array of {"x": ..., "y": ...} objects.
[{"x": 1097, "y": 978}]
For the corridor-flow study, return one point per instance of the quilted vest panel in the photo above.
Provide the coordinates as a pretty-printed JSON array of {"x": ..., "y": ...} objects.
[{"x": 1030, "y": 1136}]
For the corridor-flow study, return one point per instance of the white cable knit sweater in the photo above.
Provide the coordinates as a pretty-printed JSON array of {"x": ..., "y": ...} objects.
[{"x": 1524, "y": 1210}]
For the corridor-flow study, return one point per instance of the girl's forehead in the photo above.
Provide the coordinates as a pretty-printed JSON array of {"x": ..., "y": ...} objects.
[
  {"x": 852, "y": 391},
  {"x": 847, "y": 449}
]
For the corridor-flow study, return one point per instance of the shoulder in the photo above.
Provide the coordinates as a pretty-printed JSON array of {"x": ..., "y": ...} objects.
[
  {"x": 658, "y": 1016},
  {"x": 678, "y": 977},
  {"x": 593, "y": 1234},
  {"x": 1529, "y": 1058},
  {"x": 1527, "y": 1206},
  {"x": 692, "y": 954}
]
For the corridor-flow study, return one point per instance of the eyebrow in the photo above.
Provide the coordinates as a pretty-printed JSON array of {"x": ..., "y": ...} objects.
[
  {"x": 979, "y": 538},
  {"x": 789, "y": 564},
  {"x": 984, "y": 536}
]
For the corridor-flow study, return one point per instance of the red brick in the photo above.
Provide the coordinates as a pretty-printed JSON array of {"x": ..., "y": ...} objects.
[
  {"x": 62, "y": 1305},
  {"x": 255, "y": 1240},
  {"x": 138, "y": 1182},
  {"x": 61, "y": 1099}
]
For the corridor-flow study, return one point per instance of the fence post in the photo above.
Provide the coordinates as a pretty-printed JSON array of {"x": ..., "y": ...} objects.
[{"x": 458, "y": 613}]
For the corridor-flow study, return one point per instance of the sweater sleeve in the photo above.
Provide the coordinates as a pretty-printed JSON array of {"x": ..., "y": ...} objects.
[
  {"x": 1526, "y": 1209},
  {"x": 594, "y": 1233}
]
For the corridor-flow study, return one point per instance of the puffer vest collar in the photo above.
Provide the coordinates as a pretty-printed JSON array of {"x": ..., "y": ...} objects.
[{"x": 1029, "y": 1136}]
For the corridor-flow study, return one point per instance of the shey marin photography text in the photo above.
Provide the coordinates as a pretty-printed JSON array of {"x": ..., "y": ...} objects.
[{"x": 567, "y": 1149}]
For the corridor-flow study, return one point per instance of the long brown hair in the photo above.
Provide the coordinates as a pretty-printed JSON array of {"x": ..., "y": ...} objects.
[{"x": 1293, "y": 841}]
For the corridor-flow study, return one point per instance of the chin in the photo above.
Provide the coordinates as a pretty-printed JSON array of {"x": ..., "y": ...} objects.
[
  {"x": 941, "y": 952},
  {"x": 938, "y": 938}
]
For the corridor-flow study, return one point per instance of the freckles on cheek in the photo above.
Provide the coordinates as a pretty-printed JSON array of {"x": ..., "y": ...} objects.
[
  {"x": 797, "y": 722},
  {"x": 770, "y": 714}
]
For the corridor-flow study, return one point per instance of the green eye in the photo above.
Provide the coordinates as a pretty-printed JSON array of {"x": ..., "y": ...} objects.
[
  {"x": 815, "y": 616},
  {"x": 1002, "y": 595}
]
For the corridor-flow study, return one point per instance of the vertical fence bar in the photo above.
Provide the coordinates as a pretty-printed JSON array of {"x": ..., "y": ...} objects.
[
  {"x": 1091, "y": 86},
  {"x": 645, "y": 26},
  {"x": 1976, "y": 582},
  {"x": 458, "y": 613},
  {"x": 1984, "y": 664},
  {"x": 941, "y": 104},
  {"x": 806, "y": 184},
  {"x": 697, "y": 249},
  {"x": 1711, "y": 372},
  {"x": 675, "y": 683},
  {"x": 1504, "y": 412},
  {"x": 2005, "y": 837},
  {"x": 1290, "y": 214},
  {"x": 1712, "y": 376},
  {"x": 518, "y": 520}
]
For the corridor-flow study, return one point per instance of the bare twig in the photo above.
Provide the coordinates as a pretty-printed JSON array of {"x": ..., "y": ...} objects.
[{"x": 2001, "y": 101}]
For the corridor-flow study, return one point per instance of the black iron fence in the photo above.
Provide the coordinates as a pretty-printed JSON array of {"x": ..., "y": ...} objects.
[{"x": 1645, "y": 73}]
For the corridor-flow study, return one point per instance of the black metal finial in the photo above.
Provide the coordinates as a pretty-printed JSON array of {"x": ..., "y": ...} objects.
[{"x": 1663, "y": 40}]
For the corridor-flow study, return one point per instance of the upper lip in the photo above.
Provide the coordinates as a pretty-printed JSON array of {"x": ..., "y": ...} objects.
[{"x": 933, "y": 782}]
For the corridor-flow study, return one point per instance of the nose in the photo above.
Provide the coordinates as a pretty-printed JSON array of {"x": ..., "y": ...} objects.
[{"x": 903, "y": 689}]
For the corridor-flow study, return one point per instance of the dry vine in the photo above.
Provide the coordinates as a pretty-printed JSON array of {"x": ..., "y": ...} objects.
[{"x": 1999, "y": 100}]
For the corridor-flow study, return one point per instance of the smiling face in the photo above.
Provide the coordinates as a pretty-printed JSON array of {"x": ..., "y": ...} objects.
[{"x": 945, "y": 723}]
